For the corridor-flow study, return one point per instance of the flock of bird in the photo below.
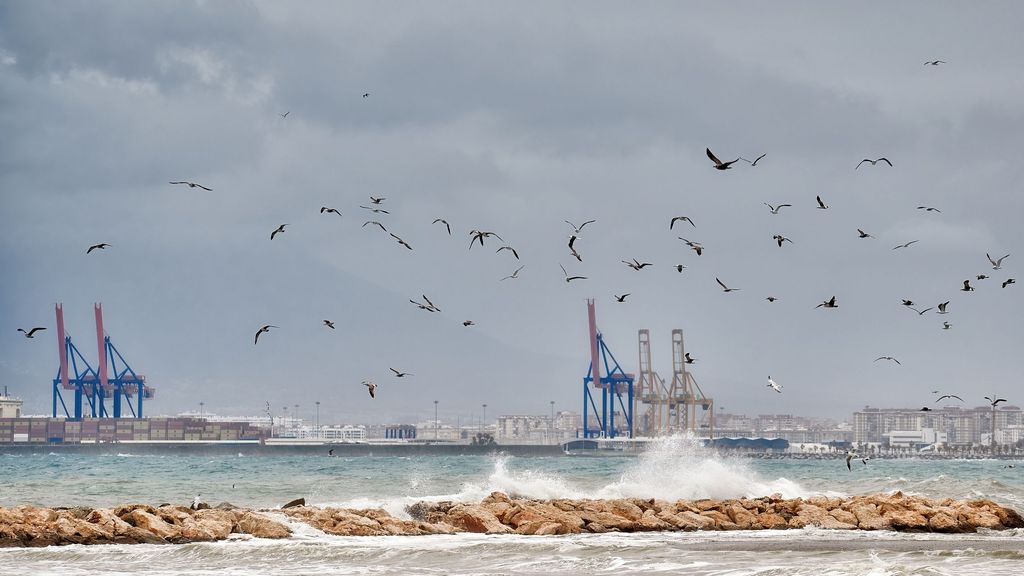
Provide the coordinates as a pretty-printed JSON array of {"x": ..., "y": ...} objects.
[{"x": 376, "y": 207}]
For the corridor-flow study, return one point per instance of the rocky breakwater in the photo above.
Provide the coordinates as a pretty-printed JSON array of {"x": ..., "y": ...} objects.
[{"x": 500, "y": 514}]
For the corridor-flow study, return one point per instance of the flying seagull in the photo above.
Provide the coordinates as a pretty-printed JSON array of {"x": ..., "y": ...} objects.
[
  {"x": 888, "y": 358},
  {"x": 479, "y": 235},
  {"x": 771, "y": 298},
  {"x": 570, "y": 278},
  {"x": 821, "y": 205},
  {"x": 828, "y": 303},
  {"x": 329, "y": 210},
  {"x": 679, "y": 268},
  {"x": 575, "y": 254},
  {"x": 908, "y": 302},
  {"x": 967, "y": 287},
  {"x": 429, "y": 303},
  {"x": 445, "y": 222},
  {"x": 376, "y": 201},
  {"x": 265, "y": 328},
  {"x": 620, "y": 298},
  {"x": 697, "y": 246},
  {"x": 863, "y": 234},
  {"x": 780, "y": 239},
  {"x": 513, "y": 275},
  {"x": 904, "y": 245},
  {"x": 949, "y": 396},
  {"x": 925, "y": 409},
  {"x": 578, "y": 229},
  {"x": 428, "y": 307},
  {"x": 285, "y": 115},
  {"x": 850, "y": 456},
  {"x": 719, "y": 165},
  {"x": 399, "y": 374},
  {"x": 31, "y": 333},
  {"x": 756, "y": 160},
  {"x": 375, "y": 222},
  {"x": 510, "y": 249},
  {"x": 329, "y": 324},
  {"x": 400, "y": 241},
  {"x": 636, "y": 264},
  {"x": 367, "y": 95},
  {"x": 934, "y": 62},
  {"x": 101, "y": 246},
  {"x": 194, "y": 185},
  {"x": 775, "y": 209},
  {"x": 873, "y": 162},
  {"x": 371, "y": 388},
  {"x": 771, "y": 384},
  {"x": 993, "y": 400},
  {"x": 942, "y": 307},
  {"x": 688, "y": 359},
  {"x": 996, "y": 263},
  {"x": 724, "y": 287},
  {"x": 929, "y": 209},
  {"x": 279, "y": 230},
  {"x": 683, "y": 218},
  {"x": 981, "y": 277},
  {"x": 946, "y": 325},
  {"x": 1009, "y": 281},
  {"x": 468, "y": 323},
  {"x": 375, "y": 210},
  {"x": 920, "y": 312}
]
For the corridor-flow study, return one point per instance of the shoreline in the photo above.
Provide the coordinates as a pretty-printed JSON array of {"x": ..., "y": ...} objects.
[{"x": 28, "y": 526}]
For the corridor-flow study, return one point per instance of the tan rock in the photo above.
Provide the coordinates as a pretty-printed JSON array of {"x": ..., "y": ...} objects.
[
  {"x": 741, "y": 517},
  {"x": 261, "y": 527},
  {"x": 906, "y": 520},
  {"x": 771, "y": 521},
  {"x": 151, "y": 523},
  {"x": 471, "y": 518},
  {"x": 608, "y": 521},
  {"x": 843, "y": 516},
  {"x": 943, "y": 522},
  {"x": 868, "y": 517},
  {"x": 650, "y": 522}
]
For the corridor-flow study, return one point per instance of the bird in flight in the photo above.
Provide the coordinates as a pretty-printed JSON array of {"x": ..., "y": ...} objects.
[
  {"x": 888, "y": 358},
  {"x": 371, "y": 388},
  {"x": 329, "y": 210},
  {"x": 981, "y": 277},
  {"x": 31, "y": 333},
  {"x": 934, "y": 62},
  {"x": 375, "y": 210},
  {"x": 967, "y": 287},
  {"x": 946, "y": 325},
  {"x": 265, "y": 328},
  {"x": 942, "y": 307},
  {"x": 577, "y": 229},
  {"x": 929, "y": 209},
  {"x": 374, "y": 222},
  {"x": 948, "y": 396},
  {"x": 780, "y": 239},
  {"x": 863, "y": 234},
  {"x": 678, "y": 218},
  {"x": 101, "y": 246},
  {"x": 636, "y": 264},
  {"x": 329, "y": 324},
  {"x": 478, "y": 235},
  {"x": 285, "y": 115},
  {"x": 775, "y": 209},
  {"x": 445, "y": 222},
  {"x": 575, "y": 254},
  {"x": 925, "y": 409},
  {"x": 873, "y": 162},
  {"x": 400, "y": 241},
  {"x": 904, "y": 245},
  {"x": 821, "y": 205},
  {"x": 620, "y": 298},
  {"x": 828, "y": 303},
  {"x": 771, "y": 299},
  {"x": 719, "y": 165},
  {"x": 367, "y": 95},
  {"x": 430, "y": 304},
  {"x": 513, "y": 275},
  {"x": 423, "y": 306},
  {"x": 468, "y": 323},
  {"x": 570, "y": 278},
  {"x": 996, "y": 264},
  {"x": 993, "y": 400},
  {"x": 696, "y": 246},
  {"x": 510, "y": 249},
  {"x": 908, "y": 302},
  {"x": 194, "y": 185},
  {"x": 756, "y": 160},
  {"x": 399, "y": 374},
  {"x": 771, "y": 384},
  {"x": 850, "y": 456},
  {"x": 279, "y": 230},
  {"x": 919, "y": 312},
  {"x": 1008, "y": 281},
  {"x": 679, "y": 268},
  {"x": 724, "y": 287},
  {"x": 687, "y": 358},
  {"x": 376, "y": 201}
]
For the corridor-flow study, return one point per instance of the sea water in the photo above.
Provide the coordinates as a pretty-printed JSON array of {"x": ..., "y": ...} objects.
[{"x": 673, "y": 469}]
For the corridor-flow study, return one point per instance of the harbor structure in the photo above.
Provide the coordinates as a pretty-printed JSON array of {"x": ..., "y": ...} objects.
[{"x": 10, "y": 407}]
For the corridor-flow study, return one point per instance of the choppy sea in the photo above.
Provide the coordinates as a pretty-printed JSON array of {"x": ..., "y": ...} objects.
[{"x": 672, "y": 470}]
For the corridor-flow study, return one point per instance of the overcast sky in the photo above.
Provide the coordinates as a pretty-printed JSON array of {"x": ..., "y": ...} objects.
[{"x": 511, "y": 118}]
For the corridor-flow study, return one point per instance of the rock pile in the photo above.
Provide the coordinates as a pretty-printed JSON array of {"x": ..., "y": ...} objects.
[{"x": 500, "y": 514}]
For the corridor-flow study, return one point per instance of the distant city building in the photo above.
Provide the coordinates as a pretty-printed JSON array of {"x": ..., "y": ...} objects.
[
  {"x": 537, "y": 429},
  {"x": 960, "y": 426},
  {"x": 795, "y": 429},
  {"x": 94, "y": 430},
  {"x": 10, "y": 407}
]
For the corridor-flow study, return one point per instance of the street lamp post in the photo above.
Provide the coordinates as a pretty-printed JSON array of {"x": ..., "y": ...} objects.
[
  {"x": 317, "y": 418},
  {"x": 201, "y": 404},
  {"x": 551, "y": 425},
  {"x": 435, "y": 420}
]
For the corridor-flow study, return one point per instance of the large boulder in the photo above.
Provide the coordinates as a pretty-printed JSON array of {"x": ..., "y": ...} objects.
[
  {"x": 261, "y": 527},
  {"x": 471, "y": 518}
]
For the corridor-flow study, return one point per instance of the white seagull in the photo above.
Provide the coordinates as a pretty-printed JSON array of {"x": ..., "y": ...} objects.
[{"x": 771, "y": 384}]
